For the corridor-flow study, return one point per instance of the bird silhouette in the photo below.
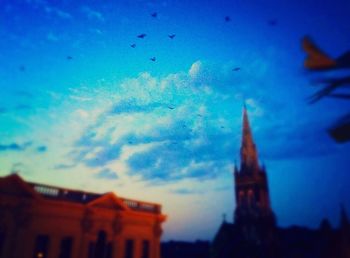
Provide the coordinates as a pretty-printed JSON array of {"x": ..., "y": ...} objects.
[
  {"x": 227, "y": 18},
  {"x": 272, "y": 22},
  {"x": 171, "y": 36},
  {"x": 170, "y": 107},
  {"x": 141, "y": 36},
  {"x": 133, "y": 45},
  {"x": 153, "y": 59},
  {"x": 154, "y": 15},
  {"x": 69, "y": 57},
  {"x": 236, "y": 69}
]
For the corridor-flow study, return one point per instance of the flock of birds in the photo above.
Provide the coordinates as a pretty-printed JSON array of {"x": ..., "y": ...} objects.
[{"x": 271, "y": 22}]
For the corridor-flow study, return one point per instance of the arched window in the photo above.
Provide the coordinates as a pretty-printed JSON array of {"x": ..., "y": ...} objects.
[{"x": 250, "y": 197}]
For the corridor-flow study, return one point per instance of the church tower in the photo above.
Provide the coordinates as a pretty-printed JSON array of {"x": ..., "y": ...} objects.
[
  {"x": 251, "y": 186},
  {"x": 253, "y": 215}
]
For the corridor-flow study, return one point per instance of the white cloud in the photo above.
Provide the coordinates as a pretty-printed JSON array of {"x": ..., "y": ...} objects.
[{"x": 195, "y": 69}]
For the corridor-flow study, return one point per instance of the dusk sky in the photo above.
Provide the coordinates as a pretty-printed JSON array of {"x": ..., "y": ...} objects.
[{"x": 82, "y": 107}]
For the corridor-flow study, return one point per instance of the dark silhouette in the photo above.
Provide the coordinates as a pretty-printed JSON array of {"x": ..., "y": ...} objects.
[
  {"x": 177, "y": 249},
  {"x": 154, "y": 15},
  {"x": 340, "y": 132},
  {"x": 170, "y": 107},
  {"x": 255, "y": 233},
  {"x": 319, "y": 60},
  {"x": 153, "y": 59},
  {"x": 333, "y": 84},
  {"x": 133, "y": 45},
  {"x": 69, "y": 57},
  {"x": 236, "y": 69},
  {"x": 141, "y": 36},
  {"x": 272, "y": 22},
  {"x": 227, "y": 18},
  {"x": 171, "y": 36}
]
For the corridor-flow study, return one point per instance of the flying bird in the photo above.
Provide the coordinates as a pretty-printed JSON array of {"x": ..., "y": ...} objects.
[
  {"x": 133, "y": 45},
  {"x": 171, "y": 36},
  {"x": 69, "y": 57},
  {"x": 170, "y": 107},
  {"x": 272, "y": 22},
  {"x": 236, "y": 69},
  {"x": 318, "y": 60},
  {"x": 153, "y": 59},
  {"x": 141, "y": 36},
  {"x": 227, "y": 18},
  {"x": 154, "y": 15}
]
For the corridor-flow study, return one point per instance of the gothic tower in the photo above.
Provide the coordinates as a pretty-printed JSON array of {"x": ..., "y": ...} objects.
[{"x": 253, "y": 215}]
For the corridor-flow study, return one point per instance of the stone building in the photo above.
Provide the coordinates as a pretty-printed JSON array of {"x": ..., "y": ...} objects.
[{"x": 41, "y": 221}]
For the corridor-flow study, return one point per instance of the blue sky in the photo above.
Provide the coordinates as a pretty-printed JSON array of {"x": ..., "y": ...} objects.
[{"x": 83, "y": 109}]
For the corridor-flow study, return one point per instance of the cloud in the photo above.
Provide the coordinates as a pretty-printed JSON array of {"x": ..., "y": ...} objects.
[
  {"x": 189, "y": 125},
  {"x": 57, "y": 12},
  {"x": 92, "y": 14},
  {"x": 107, "y": 174},
  {"x": 195, "y": 69},
  {"x": 52, "y": 37},
  {"x": 15, "y": 146}
]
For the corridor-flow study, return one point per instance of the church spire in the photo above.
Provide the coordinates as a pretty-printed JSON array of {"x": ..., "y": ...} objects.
[{"x": 249, "y": 156}]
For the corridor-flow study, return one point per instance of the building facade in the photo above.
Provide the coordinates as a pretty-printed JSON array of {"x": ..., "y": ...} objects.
[{"x": 41, "y": 221}]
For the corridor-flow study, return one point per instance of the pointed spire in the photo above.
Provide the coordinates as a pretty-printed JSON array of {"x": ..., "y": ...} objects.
[{"x": 249, "y": 156}]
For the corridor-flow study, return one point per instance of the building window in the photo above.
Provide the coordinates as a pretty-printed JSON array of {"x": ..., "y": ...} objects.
[
  {"x": 41, "y": 246},
  {"x": 66, "y": 247},
  {"x": 91, "y": 250},
  {"x": 129, "y": 248},
  {"x": 145, "y": 249},
  {"x": 109, "y": 250}
]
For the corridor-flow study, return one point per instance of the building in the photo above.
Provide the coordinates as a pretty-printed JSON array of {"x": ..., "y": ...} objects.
[
  {"x": 254, "y": 232},
  {"x": 41, "y": 221}
]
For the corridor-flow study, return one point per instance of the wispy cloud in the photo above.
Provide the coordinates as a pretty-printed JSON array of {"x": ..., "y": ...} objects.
[
  {"x": 107, "y": 174},
  {"x": 92, "y": 14}
]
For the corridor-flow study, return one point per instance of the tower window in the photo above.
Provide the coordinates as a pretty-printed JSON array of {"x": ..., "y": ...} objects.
[
  {"x": 250, "y": 196},
  {"x": 41, "y": 246},
  {"x": 129, "y": 248}
]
